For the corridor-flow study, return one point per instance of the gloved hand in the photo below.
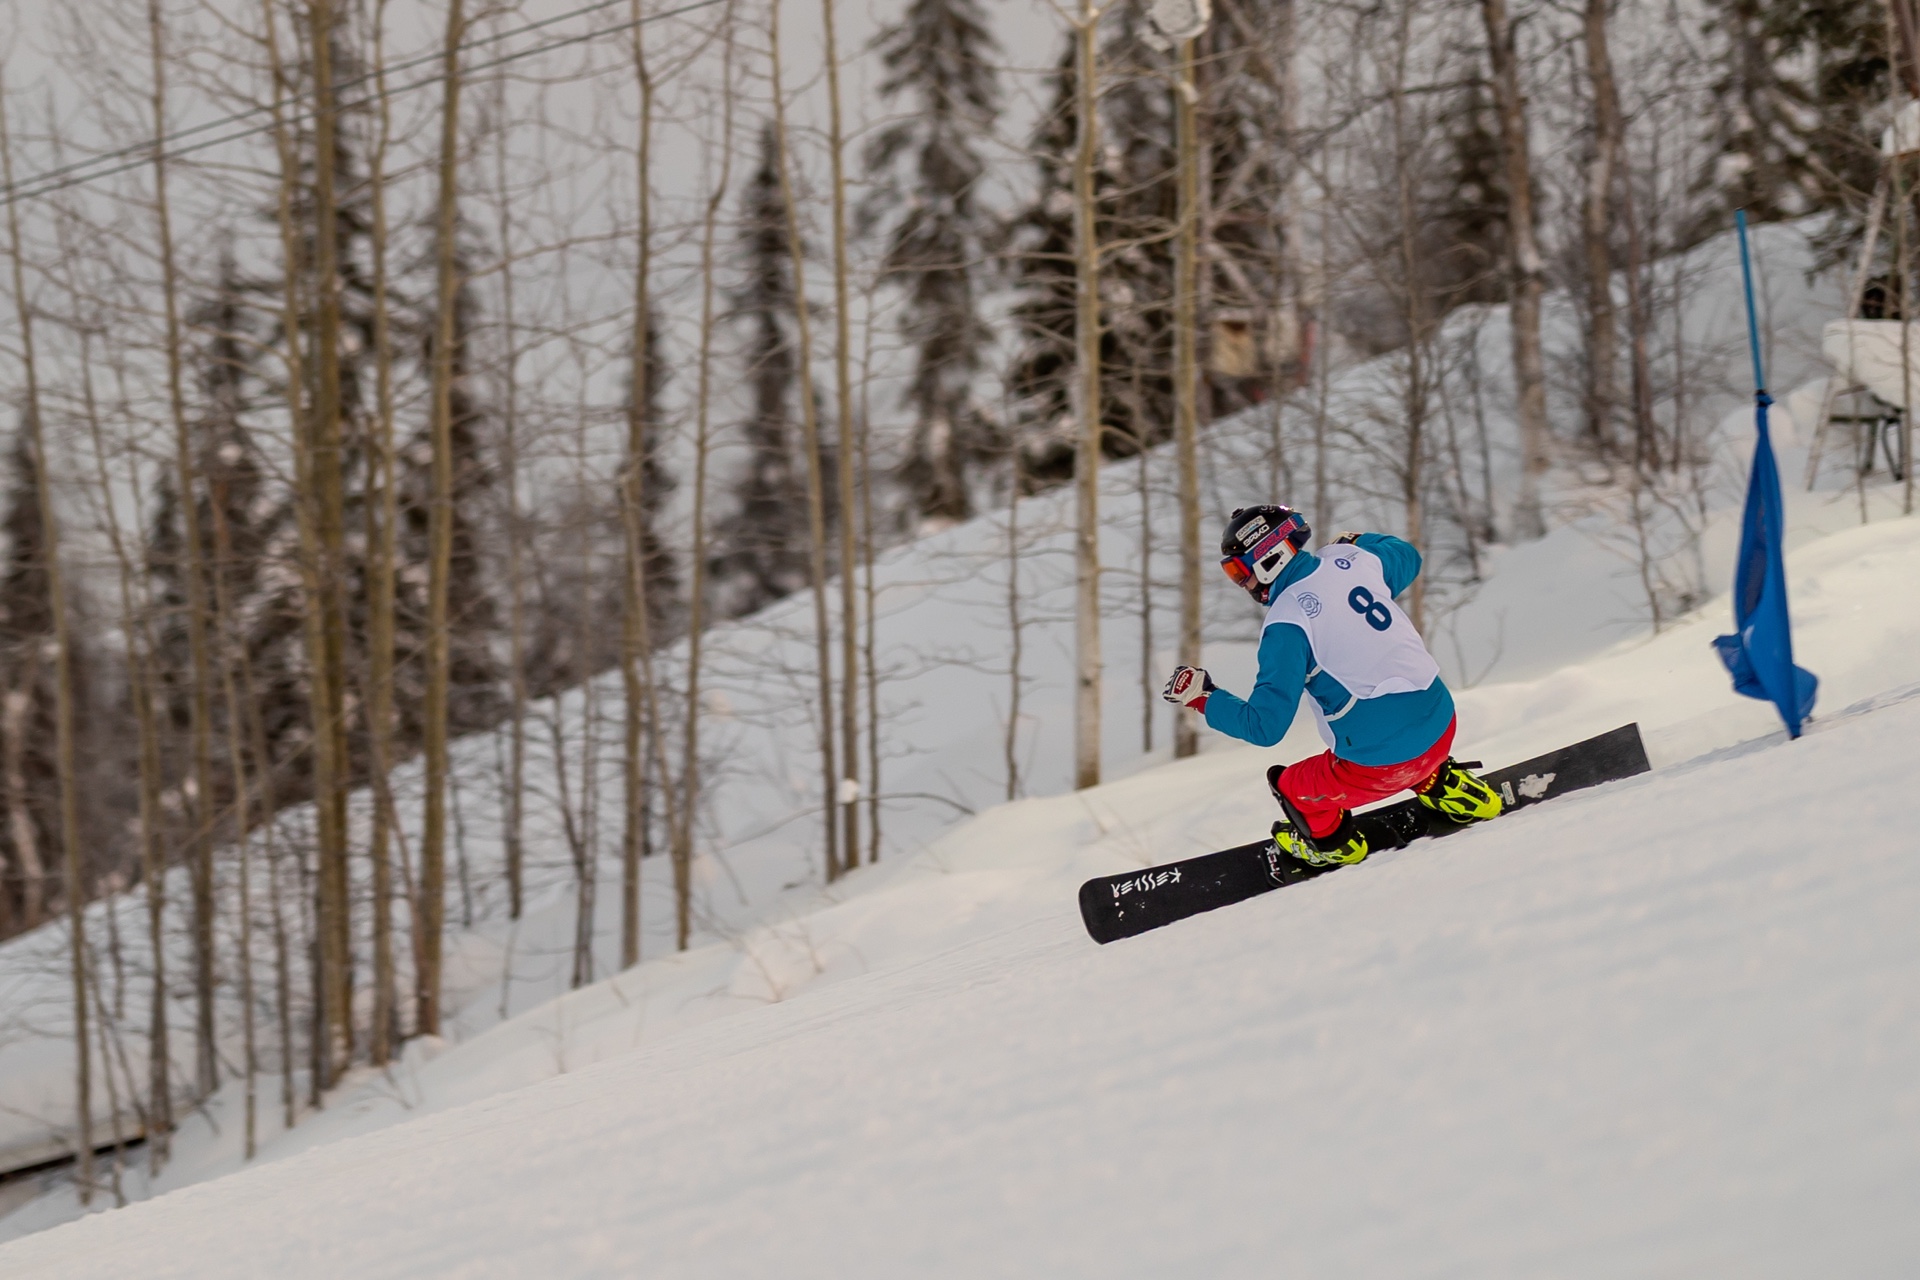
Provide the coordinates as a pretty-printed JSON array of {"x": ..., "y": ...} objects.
[
  {"x": 1348, "y": 538},
  {"x": 1188, "y": 687}
]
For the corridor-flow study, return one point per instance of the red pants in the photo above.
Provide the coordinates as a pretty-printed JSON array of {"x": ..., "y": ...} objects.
[{"x": 1322, "y": 787}]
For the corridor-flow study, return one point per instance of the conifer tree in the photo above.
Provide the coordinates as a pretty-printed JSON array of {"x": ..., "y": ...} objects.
[
  {"x": 1762, "y": 157},
  {"x": 1041, "y": 248},
  {"x": 657, "y": 484},
  {"x": 762, "y": 551},
  {"x": 29, "y": 813},
  {"x": 926, "y": 169},
  {"x": 227, "y": 385},
  {"x": 474, "y": 698},
  {"x": 1842, "y": 47}
]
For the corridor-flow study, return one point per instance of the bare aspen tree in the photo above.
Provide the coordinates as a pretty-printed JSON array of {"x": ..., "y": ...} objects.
[
  {"x": 1010, "y": 742},
  {"x": 636, "y": 633},
  {"x": 383, "y": 520},
  {"x": 323, "y": 489},
  {"x": 1286, "y": 29},
  {"x": 282, "y": 968},
  {"x": 810, "y": 441},
  {"x": 433, "y": 841},
  {"x": 1149, "y": 678},
  {"x": 870, "y": 656},
  {"x": 242, "y": 830},
  {"x": 1526, "y": 269},
  {"x": 1596, "y": 229},
  {"x": 1186, "y": 376},
  {"x": 1086, "y": 462},
  {"x": 63, "y": 681},
  {"x": 135, "y": 622},
  {"x": 513, "y": 838},
  {"x": 20, "y": 826},
  {"x": 1415, "y": 406},
  {"x": 681, "y": 850},
  {"x": 309, "y": 559},
  {"x": 199, "y": 709},
  {"x": 1606, "y": 94},
  {"x": 849, "y": 789},
  {"x": 102, "y": 1018}
]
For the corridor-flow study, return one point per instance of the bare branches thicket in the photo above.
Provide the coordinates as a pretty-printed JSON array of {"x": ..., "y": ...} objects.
[{"x": 73, "y": 884}]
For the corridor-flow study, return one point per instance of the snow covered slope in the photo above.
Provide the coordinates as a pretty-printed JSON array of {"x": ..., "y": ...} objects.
[{"x": 1670, "y": 1026}]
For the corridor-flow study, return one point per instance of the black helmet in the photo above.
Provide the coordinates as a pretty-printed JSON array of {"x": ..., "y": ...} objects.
[{"x": 1258, "y": 543}]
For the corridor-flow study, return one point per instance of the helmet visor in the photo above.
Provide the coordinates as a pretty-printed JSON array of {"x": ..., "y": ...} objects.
[{"x": 1237, "y": 569}]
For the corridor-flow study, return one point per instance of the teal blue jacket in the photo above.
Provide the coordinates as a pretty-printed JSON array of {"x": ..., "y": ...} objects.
[{"x": 1385, "y": 730}]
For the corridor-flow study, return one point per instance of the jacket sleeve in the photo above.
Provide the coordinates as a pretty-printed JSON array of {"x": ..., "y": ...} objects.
[
  {"x": 1399, "y": 562},
  {"x": 1263, "y": 717}
]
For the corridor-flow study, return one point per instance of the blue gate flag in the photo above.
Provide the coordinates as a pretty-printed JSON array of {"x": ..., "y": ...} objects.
[{"x": 1759, "y": 653}]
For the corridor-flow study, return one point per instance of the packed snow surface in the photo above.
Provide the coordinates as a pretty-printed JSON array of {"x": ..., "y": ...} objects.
[
  {"x": 961, "y": 714},
  {"x": 1665, "y": 1027},
  {"x": 1668, "y": 1026}
]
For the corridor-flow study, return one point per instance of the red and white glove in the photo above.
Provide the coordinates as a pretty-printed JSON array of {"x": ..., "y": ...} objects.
[{"x": 1188, "y": 687}]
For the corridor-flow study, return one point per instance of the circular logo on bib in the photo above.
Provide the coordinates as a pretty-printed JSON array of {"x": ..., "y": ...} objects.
[
  {"x": 1344, "y": 563},
  {"x": 1310, "y": 604}
]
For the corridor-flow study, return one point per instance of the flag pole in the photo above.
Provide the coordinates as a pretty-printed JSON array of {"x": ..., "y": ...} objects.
[
  {"x": 1753, "y": 322},
  {"x": 1759, "y": 653}
]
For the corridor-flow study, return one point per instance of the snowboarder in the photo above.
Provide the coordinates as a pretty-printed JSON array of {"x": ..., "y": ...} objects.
[{"x": 1333, "y": 631}]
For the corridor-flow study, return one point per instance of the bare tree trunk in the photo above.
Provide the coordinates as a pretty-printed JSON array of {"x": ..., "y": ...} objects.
[
  {"x": 26, "y": 840},
  {"x": 1412, "y": 467},
  {"x": 433, "y": 843},
  {"x": 325, "y": 486},
  {"x": 1149, "y": 682},
  {"x": 313, "y": 570},
  {"x": 1646, "y": 444},
  {"x": 810, "y": 441},
  {"x": 383, "y": 516},
  {"x": 242, "y": 830},
  {"x": 869, "y": 658},
  {"x": 1322, "y": 380},
  {"x": 1285, "y": 26},
  {"x": 1186, "y": 377},
  {"x": 1526, "y": 270},
  {"x": 200, "y": 831},
  {"x": 119, "y": 1164},
  {"x": 849, "y": 790},
  {"x": 1903, "y": 270},
  {"x": 1010, "y": 745},
  {"x": 514, "y": 836},
  {"x": 282, "y": 968},
  {"x": 1086, "y": 462},
  {"x": 681, "y": 850},
  {"x": 636, "y": 632},
  {"x": 1596, "y": 227},
  {"x": 139, "y": 638},
  {"x": 76, "y": 891}
]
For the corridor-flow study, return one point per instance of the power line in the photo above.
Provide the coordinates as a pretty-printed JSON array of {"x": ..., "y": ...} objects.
[{"x": 84, "y": 171}]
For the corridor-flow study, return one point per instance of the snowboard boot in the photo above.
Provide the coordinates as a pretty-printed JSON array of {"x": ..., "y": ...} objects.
[
  {"x": 1345, "y": 846},
  {"x": 1457, "y": 794}
]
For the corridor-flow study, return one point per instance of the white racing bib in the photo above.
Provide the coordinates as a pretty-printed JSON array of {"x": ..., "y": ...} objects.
[{"x": 1358, "y": 635}]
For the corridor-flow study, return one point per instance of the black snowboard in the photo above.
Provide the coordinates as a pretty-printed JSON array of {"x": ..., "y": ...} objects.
[{"x": 1123, "y": 905}]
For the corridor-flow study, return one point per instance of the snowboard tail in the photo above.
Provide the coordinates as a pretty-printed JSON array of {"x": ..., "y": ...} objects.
[{"x": 1124, "y": 905}]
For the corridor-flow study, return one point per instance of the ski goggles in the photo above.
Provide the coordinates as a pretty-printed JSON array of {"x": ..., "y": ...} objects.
[{"x": 1263, "y": 563}]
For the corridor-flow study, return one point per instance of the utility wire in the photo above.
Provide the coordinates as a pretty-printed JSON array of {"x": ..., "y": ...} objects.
[
  {"x": 72, "y": 175},
  {"x": 144, "y": 149}
]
